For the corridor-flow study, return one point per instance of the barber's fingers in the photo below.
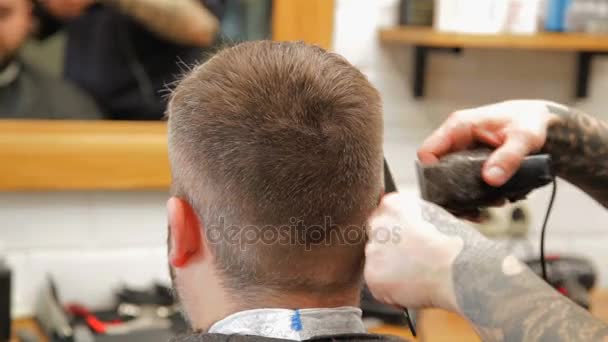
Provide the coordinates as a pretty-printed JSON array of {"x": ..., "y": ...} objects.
[
  {"x": 388, "y": 207},
  {"x": 432, "y": 148},
  {"x": 488, "y": 134},
  {"x": 455, "y": 134},
  {"x": 507, "y": 158},
  {"x": 462, "y": 130}
]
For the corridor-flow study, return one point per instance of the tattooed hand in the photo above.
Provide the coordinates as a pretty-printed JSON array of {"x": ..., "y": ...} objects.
[
  {"x": 432, "y": 259},
  {"x": 577, "y": 143}
]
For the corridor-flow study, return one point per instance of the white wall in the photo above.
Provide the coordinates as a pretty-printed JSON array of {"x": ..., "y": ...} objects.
[{"x": 92, "y": 242}]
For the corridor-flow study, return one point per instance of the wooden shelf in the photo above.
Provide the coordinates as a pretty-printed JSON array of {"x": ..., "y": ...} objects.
[
  {"x": 541, "y": 41},
  {"x": 426, "y": 39},
  {"x": 83, "y": 155}
]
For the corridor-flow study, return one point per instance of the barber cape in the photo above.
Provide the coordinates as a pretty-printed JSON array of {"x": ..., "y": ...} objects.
[
  {"x": 281, "y": 325},
  {"x": 27, "y": 92}
]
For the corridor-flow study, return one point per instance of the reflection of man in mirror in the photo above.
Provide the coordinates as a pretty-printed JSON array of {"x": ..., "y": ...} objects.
[
  {"x": 126, "y": 52},
  {"x": 26, "y": 92}
]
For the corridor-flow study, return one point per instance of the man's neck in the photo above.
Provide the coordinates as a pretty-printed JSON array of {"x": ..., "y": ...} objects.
[{"x": 295, "y": 300}]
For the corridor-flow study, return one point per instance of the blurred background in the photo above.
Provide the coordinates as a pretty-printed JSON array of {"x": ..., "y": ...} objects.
[{"x": 83, "y": 83}]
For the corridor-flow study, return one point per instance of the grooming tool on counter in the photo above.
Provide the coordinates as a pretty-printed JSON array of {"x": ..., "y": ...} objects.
[
  {"x": 50, "y": 314},
  {"x": 456, "y": 184},
  {"x": 574, "y": 277},
  {"x": 138, "y": 315}
]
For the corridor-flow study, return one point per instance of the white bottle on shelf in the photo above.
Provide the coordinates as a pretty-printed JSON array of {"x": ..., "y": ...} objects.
[
  {"x": 446, "y": 15},
  {"x": 473, "y": 17},
  {"x": 523, "y": 16}
]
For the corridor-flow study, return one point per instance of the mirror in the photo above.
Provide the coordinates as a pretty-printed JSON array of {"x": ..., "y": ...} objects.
[{"x": 117, "y": 60}]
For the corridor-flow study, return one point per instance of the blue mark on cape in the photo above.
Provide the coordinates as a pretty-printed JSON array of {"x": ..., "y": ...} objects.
[{"x": 296, "y": 321}]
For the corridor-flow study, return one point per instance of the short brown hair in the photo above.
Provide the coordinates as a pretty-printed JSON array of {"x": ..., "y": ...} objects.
[{"x": 267, "y": 134}]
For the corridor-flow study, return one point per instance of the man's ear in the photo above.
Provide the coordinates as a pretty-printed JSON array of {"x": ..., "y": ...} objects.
[{"x": 185, "y": 233}]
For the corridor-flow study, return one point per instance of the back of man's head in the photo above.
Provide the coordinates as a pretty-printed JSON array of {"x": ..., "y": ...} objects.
[{"x": 278, "y": 148}]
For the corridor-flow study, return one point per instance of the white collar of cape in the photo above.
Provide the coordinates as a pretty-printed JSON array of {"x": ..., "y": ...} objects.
[
  {"x": 296, "y": 325},
  {"x": 9, "y": 73}
]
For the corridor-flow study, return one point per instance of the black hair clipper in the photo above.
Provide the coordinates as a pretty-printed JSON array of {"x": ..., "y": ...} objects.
[{"x": 456, "y": 184}]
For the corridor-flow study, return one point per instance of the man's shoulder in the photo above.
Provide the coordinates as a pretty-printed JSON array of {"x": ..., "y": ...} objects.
[
  {"x": 247, "y": 338},
  {"x": 57, "y": 98}
]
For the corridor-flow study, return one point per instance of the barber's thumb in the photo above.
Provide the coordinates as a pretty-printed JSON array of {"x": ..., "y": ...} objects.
[{"x": 504, "y": 162}]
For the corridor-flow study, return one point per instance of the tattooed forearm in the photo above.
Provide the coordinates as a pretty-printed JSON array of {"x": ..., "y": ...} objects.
[
  {"x": 578, "y": 145},
  {"x": 503, "y": 299},
  {"x": 182, "y": 21}
]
